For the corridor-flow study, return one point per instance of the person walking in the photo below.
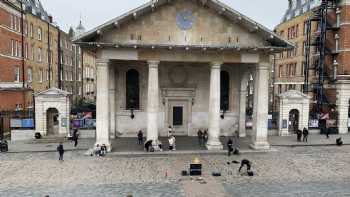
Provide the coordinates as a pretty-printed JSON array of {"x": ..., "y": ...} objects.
[
  {"x": 200, "y": 137},
  {"x": 299, "y": 135},
  {"x": 75, "y": 137},
  {"x": 140, "y": 137},
  {"x": 305, "y": 134},
  {"x": 229, "y": 146},
  {"x": 60, "y": 151},
  {"x": 205, "y": 135}
]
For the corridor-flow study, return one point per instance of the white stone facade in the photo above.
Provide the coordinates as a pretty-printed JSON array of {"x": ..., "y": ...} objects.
[
  {"x": 293, "y": 100},
  {"x": 179, "y": 60},
  {"x": 52, "y": 99}
]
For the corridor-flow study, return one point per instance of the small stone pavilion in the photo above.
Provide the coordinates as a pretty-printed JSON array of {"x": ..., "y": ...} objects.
[{"x": 184, "y": 64}]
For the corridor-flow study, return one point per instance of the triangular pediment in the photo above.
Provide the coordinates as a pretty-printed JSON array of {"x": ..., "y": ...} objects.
[
  {"x": 54, "y": 92},
  {"x": 293, "y": 94},
  {"x": 185, "y": 23}
]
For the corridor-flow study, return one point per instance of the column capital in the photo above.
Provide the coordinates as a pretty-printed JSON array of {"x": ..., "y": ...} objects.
[
  {"x": 153, "y": 63},
  {"x": 263, "y": 66},
  {"x": 216, "y": 65},
  {"x": 102, "y": 62}
]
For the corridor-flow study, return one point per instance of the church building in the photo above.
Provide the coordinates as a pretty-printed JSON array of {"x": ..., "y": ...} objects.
[{"x": 184, "y": 64}]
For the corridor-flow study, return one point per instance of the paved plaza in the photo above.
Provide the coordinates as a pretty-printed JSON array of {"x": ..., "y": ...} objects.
[{"x": 299, "y": 171}]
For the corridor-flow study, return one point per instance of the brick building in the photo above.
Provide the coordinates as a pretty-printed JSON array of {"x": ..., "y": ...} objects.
[
  {"x": 290, "y": 66},
  {"x": 13, "y": 71}
]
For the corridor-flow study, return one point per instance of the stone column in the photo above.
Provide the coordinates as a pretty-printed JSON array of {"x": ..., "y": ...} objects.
[
  {"x": 242, "y": 111},
  {"x": 112, "y": 101},
  {"x": 152, "y": 101},
  {"x": 343, "y": 96},
  {"x": 214, "y": 108},
  {"x": 260, "y": 109},
  {"x": 102, "y": 104}
]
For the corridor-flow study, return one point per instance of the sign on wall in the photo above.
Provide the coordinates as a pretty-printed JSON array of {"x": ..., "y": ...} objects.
[
  {"x": 284, "y": 124},
  {"x": 64, "y": 122}
]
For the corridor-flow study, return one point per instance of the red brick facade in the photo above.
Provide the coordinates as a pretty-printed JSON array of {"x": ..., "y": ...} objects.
[
  {"x": 12, "y": 93},
  {"x": 344, "y": 41}
]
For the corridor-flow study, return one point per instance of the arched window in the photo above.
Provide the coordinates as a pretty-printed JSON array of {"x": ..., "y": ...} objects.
[
  {"x": 132, "y": 89},
  {"x": 225, "y": 91}
]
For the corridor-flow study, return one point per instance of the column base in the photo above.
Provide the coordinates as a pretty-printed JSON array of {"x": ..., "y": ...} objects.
[
  {"x": 108, "y": 144},
  {"x": 260, "y": 146},
  {"x": 214, "y": 146},
  {"x": 343, "y": 130}
]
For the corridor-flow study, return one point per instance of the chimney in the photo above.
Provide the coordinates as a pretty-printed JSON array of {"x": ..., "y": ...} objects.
[{"x": 50, "y": 19}]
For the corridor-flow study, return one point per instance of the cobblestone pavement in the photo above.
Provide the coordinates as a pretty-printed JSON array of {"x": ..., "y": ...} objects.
[{"x": 299, "y": 171}]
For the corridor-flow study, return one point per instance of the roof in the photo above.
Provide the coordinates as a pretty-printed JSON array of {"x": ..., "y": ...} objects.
[
  {"x": 53, "y": 92},
  {"x": 220, "y": 7}
]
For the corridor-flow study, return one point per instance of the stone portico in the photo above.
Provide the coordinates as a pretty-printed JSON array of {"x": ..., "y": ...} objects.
[{"x": 184, "y": 64}]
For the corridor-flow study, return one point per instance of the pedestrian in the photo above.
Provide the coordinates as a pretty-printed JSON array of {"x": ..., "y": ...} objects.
[
  {"x": 75, "y": 137},
  {"x": 172, "y": 143},
  {"x": 229, "y": 146},
  {"x": 328, "y": 131},
  {"x": 200, "y": 137},
  {"x": 60, "y": 151},
  {"x": 205, "y": 135},
  {"x": 140, "y": 137},
  {"x": 299, "y": 135},
  {"x": 245, "y": 162},
  {"x": 170, "y": 131},
  {"x": 305, "y": 134}
]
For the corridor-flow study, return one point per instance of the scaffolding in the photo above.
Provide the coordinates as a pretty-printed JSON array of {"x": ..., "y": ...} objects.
[{"x": 320, "y": 18}]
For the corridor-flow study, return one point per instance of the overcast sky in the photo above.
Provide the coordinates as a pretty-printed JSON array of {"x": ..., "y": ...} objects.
[{"x": 95, "y": 12}]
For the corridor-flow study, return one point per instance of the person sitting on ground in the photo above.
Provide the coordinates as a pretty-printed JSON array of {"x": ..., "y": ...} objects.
[
  {"x": 148, "y": 145},
  {"x": 245, "y": 162},
  {"x": 339, "y": 141},
  {"x": 97, "y": 150},
  {"x": 103, "y": 150}
]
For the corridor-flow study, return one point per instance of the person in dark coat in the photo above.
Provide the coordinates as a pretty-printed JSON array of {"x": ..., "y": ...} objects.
[
  {"x": 245, "y": 162},
  {"x": 140, "y": 137},
  {"x": 60, "y": 151},
  {"x": 299, "y": 135},
  {"x": 205, "y": 135},
  {"x": 230, "y": 146},
  {"x": 200, "y": 137},
  {"x": 305, "y": 134},
  {"x": 75, "y": 137},
  {"x": 148, "y": 145}
]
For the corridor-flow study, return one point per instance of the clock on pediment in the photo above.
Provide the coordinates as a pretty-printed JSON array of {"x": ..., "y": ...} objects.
[{"x": 185, "y": 19}]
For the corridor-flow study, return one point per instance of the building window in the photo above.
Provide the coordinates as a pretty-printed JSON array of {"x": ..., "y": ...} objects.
[
  {"x": 13, "y": 48},
  {"x": 40, "y": 33},
  {"x": 31, "y": 29},
  {"x": 29, "y": 75},
  {"x": 40, "y": 54},
  {"x": 132, "y": 89},
  {"x": 41, "y": 75},
  {"x": 280, "y": 71},
  {"x": 26, "y": 51},
  {"x": 279, "y": 89},
  {"x": 17, "y": 74},
  {"x": 225, "y": 91}
]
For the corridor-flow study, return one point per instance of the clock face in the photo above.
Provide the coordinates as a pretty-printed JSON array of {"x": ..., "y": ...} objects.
[{"x": 185, "y": 20}]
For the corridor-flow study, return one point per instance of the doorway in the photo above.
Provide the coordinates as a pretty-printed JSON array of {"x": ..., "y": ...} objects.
[
  {"x": 52, "y": 122},
  {"x": 293, "y": 121},
  {"x": 178, "y": 117}
]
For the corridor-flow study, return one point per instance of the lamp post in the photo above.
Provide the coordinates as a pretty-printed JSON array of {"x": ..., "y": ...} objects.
[{"x": 132, "y": 104}]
